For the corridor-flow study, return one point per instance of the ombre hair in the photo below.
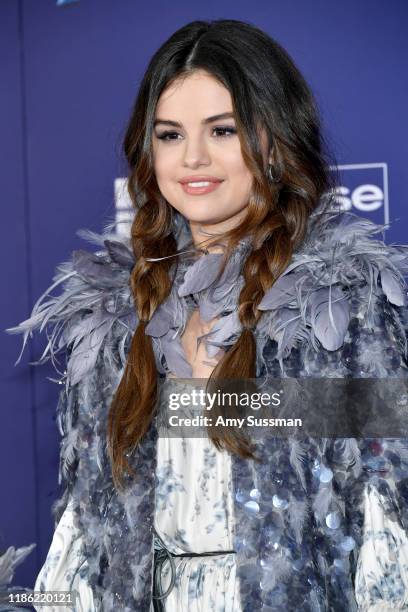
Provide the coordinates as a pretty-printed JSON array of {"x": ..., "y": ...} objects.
[{"x": 268, "y": 92}]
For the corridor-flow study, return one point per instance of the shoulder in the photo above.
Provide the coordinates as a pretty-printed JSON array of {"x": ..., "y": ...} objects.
[
  {"x": 88, "y": 317},
  {"x": 92, "y": 314},
  {"x": 342, "y": 288}
]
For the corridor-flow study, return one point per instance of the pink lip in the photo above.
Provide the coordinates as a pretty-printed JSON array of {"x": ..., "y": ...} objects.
[{"x": 214, "y": 183}]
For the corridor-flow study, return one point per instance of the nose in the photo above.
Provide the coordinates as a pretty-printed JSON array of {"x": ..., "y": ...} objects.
[{"x": 196, "y": 153}]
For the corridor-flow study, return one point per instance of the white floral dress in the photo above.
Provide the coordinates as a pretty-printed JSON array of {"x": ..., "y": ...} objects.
[
  {"x": 194, "y": 513},
  {"x": 382, "y": 570}
]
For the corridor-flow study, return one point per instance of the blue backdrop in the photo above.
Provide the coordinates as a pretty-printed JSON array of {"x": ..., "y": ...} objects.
[{"x": 69, "y": 77}]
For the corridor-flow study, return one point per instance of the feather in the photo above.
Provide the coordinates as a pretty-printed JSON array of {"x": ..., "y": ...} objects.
[
  {"x": 175, "y": 356},
  {"x": 10, "y": 560},
  {"x": 222, "y": 333},
  {"x": 219, "y": 298},
  {"x": 330, "y": 316},
  {"x": 282, "y": 292},
  {"x": 348, "y": 454},
  {"x": 392, "y": 288},
  {"x": 69, "y": 449},
  {"x": 96, "y": 294},
  {"x": 201, "y": 274},
  {"x": 39, "y": 315},
  {"x": 337, "y": 253},
  {"x": 96, "y": 271},
  {"x": 109, "y": 233},
  {"x": 400, "y": 328},
  {"x": 164, "y": 317},
  {"x": 349, "y": 227},
  {"x": 322, "y": 500},
  {"x": 298, "y": 511},
  {"x": 398, "y": 255},
  {"x": 220, "y": 289},
  {"x": 315, "y": 604},
  {"x": 119, "y": 253},
  {"x": 298, "y": 459},
  {"x": 287, "y": 330},
  {"x": 84, "y": 326},
  {"x": 85, "y": 353}
]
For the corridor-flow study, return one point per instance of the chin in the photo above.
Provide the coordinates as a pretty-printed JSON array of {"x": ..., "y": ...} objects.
[
  {"x": 202, "y": 213},
  {"x": 203, "y": 219}
]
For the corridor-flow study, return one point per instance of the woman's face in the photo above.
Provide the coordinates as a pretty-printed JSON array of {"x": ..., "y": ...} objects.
[{"x": 191, "y": 143}]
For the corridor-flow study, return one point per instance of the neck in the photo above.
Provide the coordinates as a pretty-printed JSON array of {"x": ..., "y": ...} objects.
[{"x": 211, "y": 236}]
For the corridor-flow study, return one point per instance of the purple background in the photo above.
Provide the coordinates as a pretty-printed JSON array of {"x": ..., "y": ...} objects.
[{"x": 69, "y": 77}]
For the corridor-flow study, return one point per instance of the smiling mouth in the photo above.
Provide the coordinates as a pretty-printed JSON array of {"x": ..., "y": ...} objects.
[{"x": 200, "y": 187}]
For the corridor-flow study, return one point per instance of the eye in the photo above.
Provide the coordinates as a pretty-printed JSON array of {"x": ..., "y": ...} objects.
[
  {"x": 167, "y": 135},
  {"x": 221, "y": 131},
  {"x": 226, "y": 131}
]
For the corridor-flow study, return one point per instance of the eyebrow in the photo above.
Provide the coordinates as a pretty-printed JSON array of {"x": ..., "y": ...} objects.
[{"x": 204, "y": 121}]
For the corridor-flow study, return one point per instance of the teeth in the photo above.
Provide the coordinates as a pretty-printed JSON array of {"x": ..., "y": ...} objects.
[{"x": 199, "y": 184}]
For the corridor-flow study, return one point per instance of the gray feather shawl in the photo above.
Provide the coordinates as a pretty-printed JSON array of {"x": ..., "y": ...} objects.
[{"x": 339, "y": 310}]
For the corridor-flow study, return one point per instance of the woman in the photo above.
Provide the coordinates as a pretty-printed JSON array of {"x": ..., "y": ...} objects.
[{"x": 236, "y": 268}]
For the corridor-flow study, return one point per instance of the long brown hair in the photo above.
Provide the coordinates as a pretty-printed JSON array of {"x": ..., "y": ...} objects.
[{"x": 267, "y": 91}]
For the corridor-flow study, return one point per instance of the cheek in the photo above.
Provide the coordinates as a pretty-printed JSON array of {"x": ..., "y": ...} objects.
[
  {"x": 241, "y": 175},
  {"x": 234, "y": 164},
  {"x": 165, "y": 172},
  {"x": 163, "y": 162}
]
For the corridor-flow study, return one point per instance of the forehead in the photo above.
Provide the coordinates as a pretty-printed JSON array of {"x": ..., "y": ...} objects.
[{"x": 197, "y": 94}]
